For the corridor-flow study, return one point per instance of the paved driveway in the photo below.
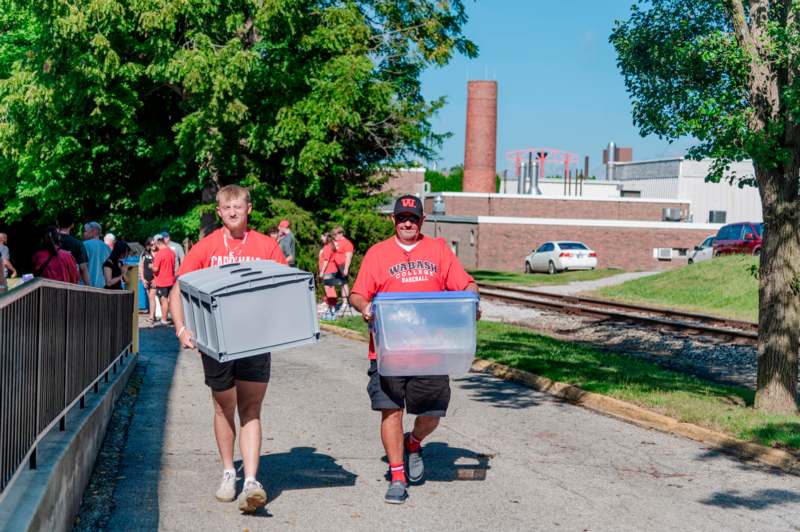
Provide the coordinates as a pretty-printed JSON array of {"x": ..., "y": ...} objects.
[{"x": 505, "y": 458}]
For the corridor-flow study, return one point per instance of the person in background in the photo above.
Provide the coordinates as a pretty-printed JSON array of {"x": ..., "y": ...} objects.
[
  {"x": 96, "y": 252},
  {"x": 328, "y": 275},
  {"x": 287, "y": 243},
  {"x": 109, "y": 240},
  {"x": 113, "y": 269},
  {"x": 146, "y": 278},
  {"x": 3, "y": 281},
  {"x": 432, "y": 268},
  {"x": 273, "y": 233},
  {"x": 52, "y": 262},
  {"x": 176, "y": 248},
  {"x": 65, "y": 222},
  {"x": 5, "y": 258},
  {"x": 163, "y": 267},
  {"x": 343, "y": 258}
]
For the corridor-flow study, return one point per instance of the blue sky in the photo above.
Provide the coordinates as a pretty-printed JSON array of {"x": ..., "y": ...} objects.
[{"x": 558, "y": 82}]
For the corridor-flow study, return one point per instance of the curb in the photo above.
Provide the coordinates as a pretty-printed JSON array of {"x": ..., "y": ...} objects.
[{"x": 625, "y": 411}]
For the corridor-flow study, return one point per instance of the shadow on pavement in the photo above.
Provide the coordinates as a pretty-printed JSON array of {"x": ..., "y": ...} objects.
[
  {"x": 499, "y": 393},
  {"x": 136, "y": 494},
  {"x": 300, "y": 469},
  {"x": 447, "y": 464},
  {"x": 759, "y": 500}
]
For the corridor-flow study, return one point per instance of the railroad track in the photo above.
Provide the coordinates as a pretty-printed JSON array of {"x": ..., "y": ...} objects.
[{"x": 688, "y": 322}]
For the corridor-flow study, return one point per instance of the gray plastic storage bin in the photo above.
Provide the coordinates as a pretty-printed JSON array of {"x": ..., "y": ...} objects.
[
  {"x": 424, "y": 333},
  {"x": 249, "y": 308}
]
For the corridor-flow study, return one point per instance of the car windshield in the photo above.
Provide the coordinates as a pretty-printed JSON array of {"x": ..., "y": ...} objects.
[
  {"x": 759, "y": 229},
  {"x": 571, "y": 245}
]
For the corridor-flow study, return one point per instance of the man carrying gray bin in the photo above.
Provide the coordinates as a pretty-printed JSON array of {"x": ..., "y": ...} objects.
[
  {"x": 237, "y": 384},
  {"x": 407, "y": 262}
]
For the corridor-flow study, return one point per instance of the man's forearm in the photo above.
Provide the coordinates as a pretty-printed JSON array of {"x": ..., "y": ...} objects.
[
  {"x": 358, "y": 302},
  {"x": 473, "y": 287},
  {"x": 176, "y": 307},
  {"x": 84, "y": 269}
]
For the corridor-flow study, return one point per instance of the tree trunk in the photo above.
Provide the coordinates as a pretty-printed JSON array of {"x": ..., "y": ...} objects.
[
  {"x": 779, "y": 301},
  {"x": 208, "y": 220}
]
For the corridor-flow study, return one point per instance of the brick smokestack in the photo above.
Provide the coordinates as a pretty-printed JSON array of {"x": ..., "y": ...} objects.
[{"x": 480, "y": 147}]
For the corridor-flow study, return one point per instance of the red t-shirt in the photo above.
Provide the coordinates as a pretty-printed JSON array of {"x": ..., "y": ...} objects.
[
  {"x": 430, "y": 267},
  {"x": 342, "y": 246},
  {"x": 326, "y": 254},
  {"x": 62, "y": 267},
  {"x": 218, "y": 249},
  {"x": 164, "y": 262}
]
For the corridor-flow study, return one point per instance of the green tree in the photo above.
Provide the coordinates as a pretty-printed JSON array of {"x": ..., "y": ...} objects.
[
  {"x": 726, "y": 72},
  {"x": 139, "y": 109},
  {"x": 452, "y": 182}
]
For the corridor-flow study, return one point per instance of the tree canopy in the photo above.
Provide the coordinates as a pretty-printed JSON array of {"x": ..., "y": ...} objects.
[
  {"x": 127, "y": 110},
  {"x": 726, "y": 72}
]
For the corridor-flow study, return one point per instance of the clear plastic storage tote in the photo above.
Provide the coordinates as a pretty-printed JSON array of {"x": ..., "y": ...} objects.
[{"x": 424, "y": 333}]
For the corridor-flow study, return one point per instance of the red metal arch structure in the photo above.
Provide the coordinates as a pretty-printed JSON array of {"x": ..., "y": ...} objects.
[{"x": 551, "y": 156}]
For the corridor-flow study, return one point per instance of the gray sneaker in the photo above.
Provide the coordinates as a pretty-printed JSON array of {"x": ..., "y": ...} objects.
[
  {"x": 252, "y": 497},
  {"x": 227, "y": 488},
  {"x": 397, "y": 493},
  {"x": 415, "y": 468}
]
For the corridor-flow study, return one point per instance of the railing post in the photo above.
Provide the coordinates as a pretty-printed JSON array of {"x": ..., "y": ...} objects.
[{"x": 132, "y": 282}]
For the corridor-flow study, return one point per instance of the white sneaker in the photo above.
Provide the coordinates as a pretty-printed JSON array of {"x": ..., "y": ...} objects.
[
  {"x": 227, "y": 488},
  {"x": 252, "y": 497}
]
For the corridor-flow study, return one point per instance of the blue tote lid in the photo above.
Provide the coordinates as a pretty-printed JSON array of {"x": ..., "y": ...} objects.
[{"x": 397, "y": 296}]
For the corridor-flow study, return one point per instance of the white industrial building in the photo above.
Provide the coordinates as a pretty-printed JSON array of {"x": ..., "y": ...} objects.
[{"x": 684, "y": 179}]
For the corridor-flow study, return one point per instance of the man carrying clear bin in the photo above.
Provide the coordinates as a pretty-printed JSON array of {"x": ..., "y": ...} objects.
[
  {"x": 407, "y": 262},
  {"x": 237, "y": 384}
]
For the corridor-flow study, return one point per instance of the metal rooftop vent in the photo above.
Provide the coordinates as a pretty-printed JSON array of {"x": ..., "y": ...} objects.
[{"x": 671, "y": 215}]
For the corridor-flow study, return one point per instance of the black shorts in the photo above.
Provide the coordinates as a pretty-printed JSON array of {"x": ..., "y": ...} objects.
[
  {"x": 332, "y": 279},
  {"x": 221, "y": 376},
  {"x": 427, "y": 395},
  {"x": 163, "y": 292}
]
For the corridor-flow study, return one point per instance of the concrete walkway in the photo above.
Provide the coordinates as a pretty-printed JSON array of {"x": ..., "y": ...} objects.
[
  {"x": 577, "y": 287},
  {"x": 506, "y": 458}
]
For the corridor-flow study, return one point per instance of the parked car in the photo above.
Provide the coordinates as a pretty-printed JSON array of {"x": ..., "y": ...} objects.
[
  {"x": 742, "y": 237},
  {"x": 553, "y": 257},
  {"x": 704, "y": 251}
]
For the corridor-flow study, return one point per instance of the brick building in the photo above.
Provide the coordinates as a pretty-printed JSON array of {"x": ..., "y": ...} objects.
[{"x": 494, "y": 231}]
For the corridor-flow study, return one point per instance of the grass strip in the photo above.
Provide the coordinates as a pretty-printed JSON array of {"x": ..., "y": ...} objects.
[
  {"x": 683, "y": 397},
  {"x": 536, "y": 279},
  {"x": 723, "y": 286}
]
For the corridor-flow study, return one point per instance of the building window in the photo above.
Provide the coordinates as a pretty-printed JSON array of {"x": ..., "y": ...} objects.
[
  {"x": 631, "y": 193},
  {"x": 454, "y": 247},
  {"x": 472, "y": 237}
]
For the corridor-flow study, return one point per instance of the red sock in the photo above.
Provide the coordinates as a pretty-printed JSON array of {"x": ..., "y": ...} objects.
[
  {"x": 413, "y": 444},
  {"x": 398, "y": 472}
]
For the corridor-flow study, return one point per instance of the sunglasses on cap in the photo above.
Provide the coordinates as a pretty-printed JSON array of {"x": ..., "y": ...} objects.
[{"x": 403, "y": 218}]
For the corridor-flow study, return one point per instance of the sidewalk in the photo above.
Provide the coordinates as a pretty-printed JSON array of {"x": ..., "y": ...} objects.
[
  {"x": 576, "y": 287},
  {"x": 505, "y": 458}
]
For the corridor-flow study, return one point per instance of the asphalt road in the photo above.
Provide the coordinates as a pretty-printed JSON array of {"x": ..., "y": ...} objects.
[{"x": 505, "y": 458}]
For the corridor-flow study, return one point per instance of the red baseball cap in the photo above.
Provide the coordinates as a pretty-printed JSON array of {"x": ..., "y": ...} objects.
[{"x": 284, "y": 223}]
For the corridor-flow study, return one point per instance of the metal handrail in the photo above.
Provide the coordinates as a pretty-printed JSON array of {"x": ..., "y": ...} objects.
[{"x": 57, "y": 341}]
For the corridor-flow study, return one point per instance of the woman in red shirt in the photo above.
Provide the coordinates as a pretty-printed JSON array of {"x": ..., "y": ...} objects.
[{"x": 52, "y": 262}]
